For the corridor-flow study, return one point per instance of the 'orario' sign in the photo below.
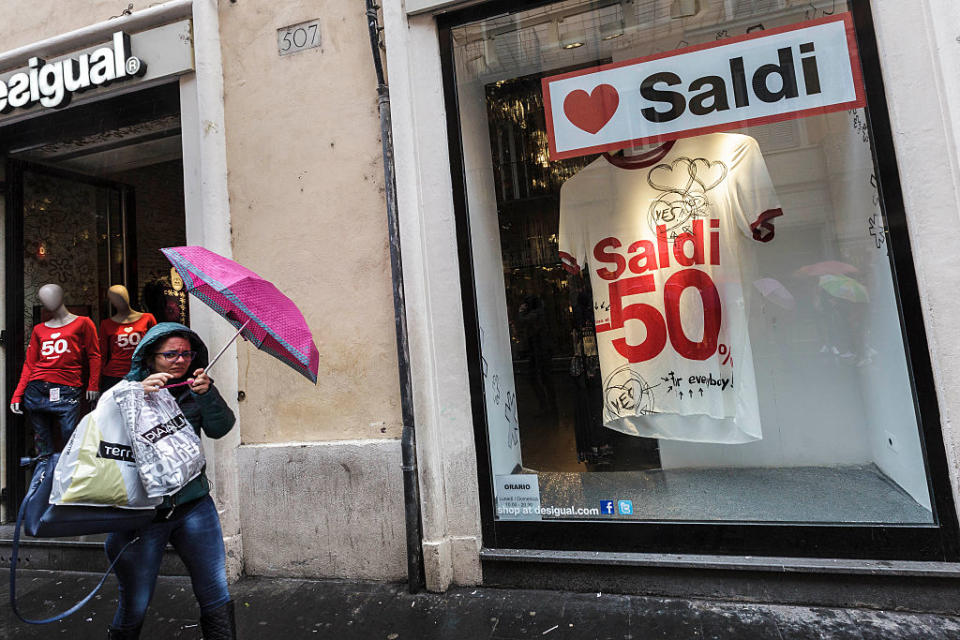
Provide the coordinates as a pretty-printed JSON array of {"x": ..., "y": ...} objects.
[
  {"x": 778, "y": 74},
  {"x": 53, "y": 84}
]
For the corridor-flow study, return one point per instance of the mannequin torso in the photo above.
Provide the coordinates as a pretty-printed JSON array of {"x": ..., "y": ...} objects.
[
  {"x": 120, "y": 334},
  {"x": 60, "y": 357}
]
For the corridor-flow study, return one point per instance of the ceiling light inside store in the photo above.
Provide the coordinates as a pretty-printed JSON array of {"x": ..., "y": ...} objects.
[
  {"x": 611, "y": 29},
  {"x": 570, "y": 36}
]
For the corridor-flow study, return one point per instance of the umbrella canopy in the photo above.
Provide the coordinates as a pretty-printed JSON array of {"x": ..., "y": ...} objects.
[
  {"x": 774, "y": 291},
  {"x": 828, "y": 267},
  {"x": 264, "y": 316},
  {"x": 844, "y": 288}
]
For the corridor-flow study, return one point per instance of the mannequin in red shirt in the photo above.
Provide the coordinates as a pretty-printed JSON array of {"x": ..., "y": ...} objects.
[
  {"x": 51, "y": 383},
  {"x": 119, "y": 336}
]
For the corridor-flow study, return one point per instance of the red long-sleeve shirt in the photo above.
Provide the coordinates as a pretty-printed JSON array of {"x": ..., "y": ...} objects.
[
  {"x": 119, "y": 341},
  {"x": 58, "y": 354}
]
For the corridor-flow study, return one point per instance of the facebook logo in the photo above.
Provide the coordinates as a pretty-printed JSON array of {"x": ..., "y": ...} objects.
[
  {"x": 606, "y": 507},
  {"x": 625, "y": 507}
]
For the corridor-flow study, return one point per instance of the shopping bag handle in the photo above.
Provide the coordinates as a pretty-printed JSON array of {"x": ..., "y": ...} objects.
[{"x": 13, "y": 576}]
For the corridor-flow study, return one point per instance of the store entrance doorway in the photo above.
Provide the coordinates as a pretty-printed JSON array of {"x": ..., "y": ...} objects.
[{"x": 91, "y": 195}]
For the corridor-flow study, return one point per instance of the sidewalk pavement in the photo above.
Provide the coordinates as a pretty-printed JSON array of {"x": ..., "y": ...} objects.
[{"x": 288, "y": 609}]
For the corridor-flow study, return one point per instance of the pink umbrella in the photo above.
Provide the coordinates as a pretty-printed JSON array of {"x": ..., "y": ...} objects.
[
  {"x": 774, "y": 291},
  {"x": 259, "y": 311}
]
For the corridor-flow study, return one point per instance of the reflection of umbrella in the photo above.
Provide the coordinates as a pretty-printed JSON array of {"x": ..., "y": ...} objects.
[
  {"x": 258, "y": 310},
  {"x": 828, "y": 267},
  {"x": 845, "y": 288},
  {"x": 776, "y": 293}
]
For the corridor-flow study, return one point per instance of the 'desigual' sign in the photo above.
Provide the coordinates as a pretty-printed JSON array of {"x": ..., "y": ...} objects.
[
  {"x": 53, "y": 84},
  {"x": 120, "y": 62},
  {"x": 778, "y": 74}
]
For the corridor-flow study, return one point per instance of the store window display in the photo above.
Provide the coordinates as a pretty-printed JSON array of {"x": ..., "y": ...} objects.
[
  {"x": 165, "y": 298},
  {"x": 61, "y": 352},
  {"x": 89, "y": 207},
  {"x": 705, "y": 198},
  {"x": 119, "y": 336},
  {"x": 701, "y": 325}
]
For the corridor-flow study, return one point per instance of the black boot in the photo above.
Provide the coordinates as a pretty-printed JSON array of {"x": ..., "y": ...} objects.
[
  {"x": 219, "y": 623},
  {"x": 124, "y": 634}
]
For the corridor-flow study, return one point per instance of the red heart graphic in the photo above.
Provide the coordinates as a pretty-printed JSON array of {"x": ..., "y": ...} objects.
[{"x": 591, "y": 111}]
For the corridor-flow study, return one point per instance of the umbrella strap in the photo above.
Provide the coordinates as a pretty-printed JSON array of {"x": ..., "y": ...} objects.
[{"x": 210, "y": 366}]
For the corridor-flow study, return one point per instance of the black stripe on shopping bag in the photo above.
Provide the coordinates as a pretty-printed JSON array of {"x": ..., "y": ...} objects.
[{"x": 115, "y": 451}]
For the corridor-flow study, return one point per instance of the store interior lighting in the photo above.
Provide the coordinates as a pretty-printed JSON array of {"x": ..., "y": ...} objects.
[
  {"x": 611, "y": 29},
  {"x": 570, "y": 35}
]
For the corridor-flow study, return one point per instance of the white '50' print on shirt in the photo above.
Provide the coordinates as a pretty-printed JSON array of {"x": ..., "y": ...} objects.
[
  {"x": 51, "y": 347},
  {"x": 124, "y": 341}
]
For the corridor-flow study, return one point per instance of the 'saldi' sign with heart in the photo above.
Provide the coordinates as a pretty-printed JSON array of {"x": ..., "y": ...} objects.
[{"x": 768, "y": 76}]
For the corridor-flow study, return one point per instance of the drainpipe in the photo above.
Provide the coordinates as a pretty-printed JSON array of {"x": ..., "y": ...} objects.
[{"x": 408, "y": 439}]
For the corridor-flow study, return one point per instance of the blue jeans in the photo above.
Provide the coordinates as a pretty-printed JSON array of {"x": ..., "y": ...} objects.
[
  {"x": 195, "y": 533},
  {"x": 45, "y": 416}
]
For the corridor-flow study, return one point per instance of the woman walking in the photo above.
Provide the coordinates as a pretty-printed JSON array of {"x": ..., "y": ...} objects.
[{"x": 167, "y": 354}]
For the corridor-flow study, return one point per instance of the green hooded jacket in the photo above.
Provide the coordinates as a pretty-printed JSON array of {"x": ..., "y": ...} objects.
[{"x": 208, "y": 412}]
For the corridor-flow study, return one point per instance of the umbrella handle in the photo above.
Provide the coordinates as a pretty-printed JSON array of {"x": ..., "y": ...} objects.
[{"x": 222, "y": 351}]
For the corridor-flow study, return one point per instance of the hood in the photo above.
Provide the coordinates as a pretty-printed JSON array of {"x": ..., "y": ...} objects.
[{"x": 138, "y": 366}]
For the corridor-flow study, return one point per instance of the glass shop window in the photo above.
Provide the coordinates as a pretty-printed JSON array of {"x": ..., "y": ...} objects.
[{"x": 686, "y": 305}]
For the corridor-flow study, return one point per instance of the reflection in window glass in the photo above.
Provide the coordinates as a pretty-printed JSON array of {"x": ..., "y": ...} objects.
[
  {"x": 699, "y": 329},
  {"x": 66, "y": 224}
]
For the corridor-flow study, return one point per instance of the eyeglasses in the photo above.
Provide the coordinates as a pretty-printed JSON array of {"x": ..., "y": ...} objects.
[{"x": 172, "y": 356}]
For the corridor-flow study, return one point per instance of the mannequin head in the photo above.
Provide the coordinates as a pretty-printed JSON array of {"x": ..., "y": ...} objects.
[
  {"x": 119, "y": 297},
  {"x": 51, "y": 296}
]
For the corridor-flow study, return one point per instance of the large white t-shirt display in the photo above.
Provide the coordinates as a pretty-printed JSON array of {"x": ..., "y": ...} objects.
[{"x": 664, "y": 237}]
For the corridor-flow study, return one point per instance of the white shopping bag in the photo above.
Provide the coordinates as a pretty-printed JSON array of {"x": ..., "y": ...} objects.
[
  {"x": 97, "y": 466},
  {"x": 167, "y": 449}
]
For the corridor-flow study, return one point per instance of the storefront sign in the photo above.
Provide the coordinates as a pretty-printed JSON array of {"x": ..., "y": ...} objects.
[
  {"x": 109, "y": 67},
  {"x": 52, "y": 84},
  {"x": 518, "y": 496},
  {"x": 768, "y": 76}
]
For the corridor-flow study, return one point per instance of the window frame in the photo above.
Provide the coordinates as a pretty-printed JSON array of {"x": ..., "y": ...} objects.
[{"x": 930, "y": 542}]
